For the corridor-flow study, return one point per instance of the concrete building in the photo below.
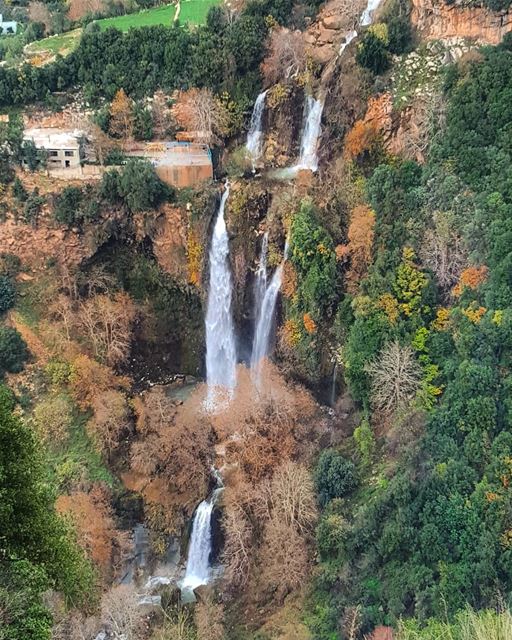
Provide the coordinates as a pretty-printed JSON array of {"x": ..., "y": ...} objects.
[
  {"x": 180, "y": 164},
  {"x": 7, "y": 26},
  {"x": 62, "y": 147}
]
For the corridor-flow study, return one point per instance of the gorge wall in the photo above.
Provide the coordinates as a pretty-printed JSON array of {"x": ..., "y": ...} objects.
[{"x": 435, "y": 19}]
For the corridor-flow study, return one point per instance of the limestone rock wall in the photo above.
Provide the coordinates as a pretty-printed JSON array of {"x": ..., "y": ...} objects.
[{"x": 435, "y": 19}]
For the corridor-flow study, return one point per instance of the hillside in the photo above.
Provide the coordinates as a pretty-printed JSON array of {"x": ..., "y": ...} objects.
[{"x": 274, "y": 404}]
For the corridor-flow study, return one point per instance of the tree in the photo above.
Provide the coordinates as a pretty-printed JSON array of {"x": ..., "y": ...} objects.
[
  {"x": 209, "y": 617},
  {"x": 359, "y": 247},
  {"x": 31, "y": 529},
  {"x": 238, "y": 546},
  {"x": 286, "y": 57},
  {"x": 141, "y": 188},
  {"x": 334, "y": 476},
  {"x": 53, "y": 418},
  {"x": 372, "y": 53},
  {"x": 395, "y": 376},
  {"x": 7, "y": 293},
  {"x": 89, "y": 378},
  {"x": 67, "y": 205},
  {"x": 121, "y": 116},
  {"x": 108, "y": 322},
  {"x": 13, "y": 351},
  {"x": 120, "y": 610},
  {"x": 110, "y": 420},
  {"x": 39, "y": 12},
  {"x": 142, "y": 123},
  {"x": 101, "y": 142},
  {"x": 200, "y": 112}
]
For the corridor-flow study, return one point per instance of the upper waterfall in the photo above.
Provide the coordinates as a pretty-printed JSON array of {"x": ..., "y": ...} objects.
[
  {"x": 255, "y": 133},
  {"x": 367, "y": 15},
  {"x": 220, "y": 333},
  {"x": 265, "y": 320},
  {"x": 310, "y": 134}
]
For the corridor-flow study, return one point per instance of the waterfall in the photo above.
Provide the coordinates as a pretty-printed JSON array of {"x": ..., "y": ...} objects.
[
  {"x": 333, "y": 384},
  {"x": 367, "y": 15},
  {"x": 351, "y": 35},
  {"x": 220, "y": 334},
  {"x": 310, "y": 134},
  {"x": 255, "y": 133},
  {"x": 198, "y": 561},
  {"x": 260, "y": 283},
  {"x": 265, "y": 319}
]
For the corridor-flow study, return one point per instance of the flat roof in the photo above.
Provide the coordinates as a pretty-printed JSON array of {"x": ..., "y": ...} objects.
[{"x": 53, "y": 137}]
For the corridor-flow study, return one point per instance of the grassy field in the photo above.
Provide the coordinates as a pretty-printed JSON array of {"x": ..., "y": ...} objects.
[{"x": 192, "y": 12}]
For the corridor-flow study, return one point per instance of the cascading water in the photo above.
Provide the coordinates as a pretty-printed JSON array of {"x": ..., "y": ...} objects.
[
  {"x": 198, "y": 569},
  {"x": 255, "y": 133},
  {"x": 351, "y": 35},
  {"x": 220, "y": 333},
  {"x": 367, "y": 15},
  {"x": 310, "y": 134},
  {"x": 260, "y": 283},
  {"x": 263, "y": 331}
]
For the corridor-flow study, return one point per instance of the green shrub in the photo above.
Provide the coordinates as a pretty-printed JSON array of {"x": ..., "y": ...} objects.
[
  {"x": 141, "y": 188},
  {"x": 7, "y": 293},
  {"x": 365, "y": 440},
  {"x": 10, "y": 264},
  {"x": 67, "y": 206},
  {"x": 33, "y": 207},
  {"x": 18, "y": 190},
  {"x": 13, "y": 351},
  {"x": 372, "y": 54},
  {"x": 334, "y": 476}
]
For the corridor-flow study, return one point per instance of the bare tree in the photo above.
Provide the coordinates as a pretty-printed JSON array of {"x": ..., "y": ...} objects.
[
  {"x": 289, "y": 496},
  {"x": 443, "y": 251},
  {"x": 110, "y": 419},
  {"x": 284, "y": 556},
  {"x": 395, "y": 375},
  {"x": 39, "y": 12},
  {"x": 108, "y": 324},
  {"x": 200, "y": 112},
  {"x": 286, "y": 56},
  {"x": 121, "y": 613},
  {"x": 101, "y": 142},
  {"x": 237, "y": 547},
  {"x": 209, "y": 617}
]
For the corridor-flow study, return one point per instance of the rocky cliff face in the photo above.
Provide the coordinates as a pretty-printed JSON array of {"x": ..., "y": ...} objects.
[{"x": 435, "y": 19}]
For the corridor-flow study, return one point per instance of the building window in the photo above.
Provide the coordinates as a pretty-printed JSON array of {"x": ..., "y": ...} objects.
[
  {"x": 69, "y": 154},
  {"x": 53, "y": 154}
]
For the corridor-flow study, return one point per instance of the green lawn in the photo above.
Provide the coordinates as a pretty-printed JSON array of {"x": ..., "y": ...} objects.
[
  {"x": 147, "y": 18},
  {"x": 63, "y": 43}
]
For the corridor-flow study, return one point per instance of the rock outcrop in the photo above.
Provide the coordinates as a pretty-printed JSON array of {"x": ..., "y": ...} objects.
[{"x": 435, "y": 19}]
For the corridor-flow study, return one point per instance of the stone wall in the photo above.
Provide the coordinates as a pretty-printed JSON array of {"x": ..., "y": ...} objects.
[{"x": 435, "y": 19}]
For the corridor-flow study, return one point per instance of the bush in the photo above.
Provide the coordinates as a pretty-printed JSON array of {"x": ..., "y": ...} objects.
[
  {"x": 399, "y": 34},
  {"x": 10, "y": 265},
  {"x": 32, "y": 207},
  {"x": 141, "y": 188},
  {"x": 372, "y": 53},
  {"x": 13, "y": 351},
  {"x": 67, "y": 205},
  {"x": 19, "y": 191},
  {"x": 334, "y": 476},
  {"x": 7, "y": 293}
]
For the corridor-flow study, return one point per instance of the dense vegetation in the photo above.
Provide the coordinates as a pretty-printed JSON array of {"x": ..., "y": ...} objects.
[{"x": 434, "y": 531}]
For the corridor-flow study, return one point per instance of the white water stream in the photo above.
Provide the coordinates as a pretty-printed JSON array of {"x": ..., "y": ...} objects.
[
  {"x": 254, "y": 142},
  {"x": 311, "y": 130},
  {"x": 265, "y": 320},
  {"x": 198, "y": 569},
  {"x": 220, "y": 333}
]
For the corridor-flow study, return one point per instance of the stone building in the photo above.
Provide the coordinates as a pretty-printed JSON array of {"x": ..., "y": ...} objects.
[
  {"x": 62, "y": 147},
  {"x": 7, "y": 26}
]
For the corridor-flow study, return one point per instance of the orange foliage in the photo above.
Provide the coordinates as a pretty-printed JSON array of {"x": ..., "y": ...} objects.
[
  {"x": 291, "y": 333},
  {"x": 470, "y": 278},
  {"x": 121, "y": 115},
  {"x": 88, "y": 379},
  {"x": 92, "y": 516},
  {"x": 309, "y": 323},
  {"x": 289, "y": 284},
  {"x": 359, "y": 246},
  {"x": 194, "y": 256},
  {"x": 475, "y": 314},
  {"x": 362, "y": 137},
  {"x": 442, "y": 319},
  {"x": 389, "y": 305}
]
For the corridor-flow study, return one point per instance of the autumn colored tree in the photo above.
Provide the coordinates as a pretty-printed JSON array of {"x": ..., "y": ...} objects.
[
  {"x": 108, "y": 323},
  {"x": 362, "y": 138},
  {"x": 101, "y": 142},
  {"x": 359, "y": 246},
  {"x": 121, "y": 116},
  {"x": 88, "y": 379},
  {"x": 470, "y": 278},
  {"x": 110, "y": 420},
  {"x": 93, "y": 519},
  {"x": 39, "y": 12},
  {"x": 201, "y": 113},
  {"x": 286, "y": 56},
  {"x": 79, "y": 8}
]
